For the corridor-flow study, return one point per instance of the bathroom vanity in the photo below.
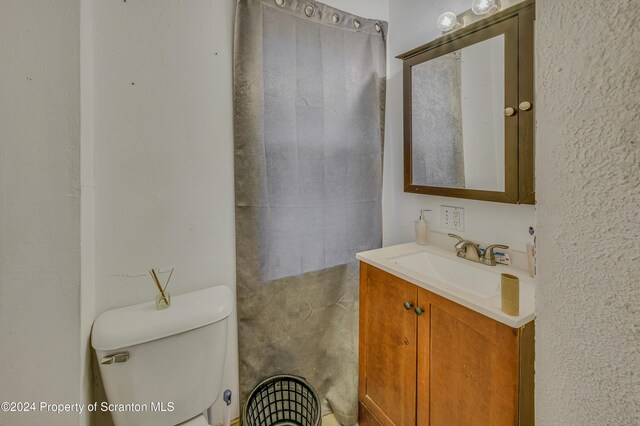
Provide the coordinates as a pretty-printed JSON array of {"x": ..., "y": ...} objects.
[{"x": 435, "y": 348}]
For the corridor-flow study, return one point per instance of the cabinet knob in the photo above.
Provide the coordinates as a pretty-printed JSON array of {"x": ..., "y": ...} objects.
[
  {"x": 508, "y": 112},
  {"x": 408, "y": 305},
  {"x": 419, "y": 311},
  {"x": 525, "y": 106}
]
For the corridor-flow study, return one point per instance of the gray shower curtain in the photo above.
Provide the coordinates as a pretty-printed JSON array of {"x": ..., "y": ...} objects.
[{"x": 309, "y": 89}]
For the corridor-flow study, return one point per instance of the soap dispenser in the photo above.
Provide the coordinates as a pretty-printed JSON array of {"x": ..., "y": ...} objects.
[{"x": 422, "y": 228}]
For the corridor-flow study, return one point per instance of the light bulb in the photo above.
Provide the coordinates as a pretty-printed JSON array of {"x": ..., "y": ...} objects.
[
  {"x": 483, "y": 7},
  {"x": 447, "y": 21}
]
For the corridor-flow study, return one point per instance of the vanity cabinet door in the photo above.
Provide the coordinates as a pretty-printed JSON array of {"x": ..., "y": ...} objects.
[
  {"x": 467, "y": 366},
  {"x": 387, "y": 371}
]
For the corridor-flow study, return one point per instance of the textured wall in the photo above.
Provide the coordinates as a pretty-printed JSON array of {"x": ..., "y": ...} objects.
[
  {"x": 588, "y": 182},
  {"x": 413, "y": 23},
  {"x": 39, "y": 207}
]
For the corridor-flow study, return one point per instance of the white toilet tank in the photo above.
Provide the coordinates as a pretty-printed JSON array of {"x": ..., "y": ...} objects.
[{"x": 166, "y": 365}]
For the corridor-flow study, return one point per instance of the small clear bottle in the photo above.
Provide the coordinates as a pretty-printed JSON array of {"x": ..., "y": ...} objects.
[
  {"x": 163, "y": 300},
  {"x": 422, "y": 228},
  {"x": 531, "y": 252}
]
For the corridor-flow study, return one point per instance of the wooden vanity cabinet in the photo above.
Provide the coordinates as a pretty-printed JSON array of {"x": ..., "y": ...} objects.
[{"x": 448, "y": 365}]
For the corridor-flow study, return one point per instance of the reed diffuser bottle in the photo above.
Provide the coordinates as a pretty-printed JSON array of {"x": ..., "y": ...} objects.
[{"x": 163, "y": 298}]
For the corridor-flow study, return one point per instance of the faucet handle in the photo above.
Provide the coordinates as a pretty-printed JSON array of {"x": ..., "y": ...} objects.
[
  {"x": 457, "y": 245},
  {"x": 488, "y": 257},
  {"x": 459, "y": 238}
]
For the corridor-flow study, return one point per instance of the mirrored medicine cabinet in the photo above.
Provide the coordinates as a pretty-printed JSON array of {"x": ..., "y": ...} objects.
[{"x": 469, "y": 111}]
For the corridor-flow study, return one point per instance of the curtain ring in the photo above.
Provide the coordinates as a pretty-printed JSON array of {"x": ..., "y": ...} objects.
[
  {"x": 378, "y": 27},
  {"x": 309, "y": 10},
  {"x": 335, "y": 18},
  {"x": 279, "y": 2},
  {"x": 356, "y": 23}
]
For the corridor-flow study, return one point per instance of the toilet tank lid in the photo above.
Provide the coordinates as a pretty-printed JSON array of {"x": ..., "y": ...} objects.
[{"x": 133, "y": 325}]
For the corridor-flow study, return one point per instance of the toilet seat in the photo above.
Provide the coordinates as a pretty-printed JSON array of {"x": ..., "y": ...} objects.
[{"x": 196, "y": 421}]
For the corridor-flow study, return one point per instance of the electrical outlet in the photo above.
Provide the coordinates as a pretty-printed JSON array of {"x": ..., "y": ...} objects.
[{"x": 452, "y": 218}]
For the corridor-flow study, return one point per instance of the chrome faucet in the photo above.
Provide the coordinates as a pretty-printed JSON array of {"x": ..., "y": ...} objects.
[{"x": 471, "y": 251}]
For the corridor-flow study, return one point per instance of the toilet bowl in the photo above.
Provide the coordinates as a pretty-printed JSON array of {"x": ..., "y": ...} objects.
[
  {"x": 164, "y": 367},
  {"x": 196, "y": 421}
]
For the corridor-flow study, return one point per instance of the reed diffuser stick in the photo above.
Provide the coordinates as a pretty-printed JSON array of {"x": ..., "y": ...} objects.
[
  {"x": 168, "y": 279},
  {"x": 157, "y": 281}
]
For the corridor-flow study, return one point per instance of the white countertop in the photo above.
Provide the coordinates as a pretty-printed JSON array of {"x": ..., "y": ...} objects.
[{"x": 382, "y": 259}]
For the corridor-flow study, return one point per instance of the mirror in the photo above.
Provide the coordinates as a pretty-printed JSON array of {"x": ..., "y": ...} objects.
[
  {"x": 468, "y": 111},
  {"x": 458, "y": 119}
]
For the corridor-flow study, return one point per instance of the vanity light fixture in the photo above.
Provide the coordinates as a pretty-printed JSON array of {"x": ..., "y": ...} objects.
[
  {"x": 447, "y": 21},
  {"x": 484, "y": 7}
]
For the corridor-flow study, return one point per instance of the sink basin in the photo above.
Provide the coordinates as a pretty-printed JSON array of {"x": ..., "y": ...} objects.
[
  {"x": 439, "y": 271},
  {"x": 467, "y": 277}
]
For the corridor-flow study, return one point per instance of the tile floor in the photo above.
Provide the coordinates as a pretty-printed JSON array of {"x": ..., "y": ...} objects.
[{"x": 329, "y": 420}]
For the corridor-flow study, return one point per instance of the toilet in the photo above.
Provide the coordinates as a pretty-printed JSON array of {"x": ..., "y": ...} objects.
[{"x": 164, "y": 367}]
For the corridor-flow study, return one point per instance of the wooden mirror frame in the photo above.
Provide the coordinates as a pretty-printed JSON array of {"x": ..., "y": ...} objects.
[{"x": 516, "y": 23}]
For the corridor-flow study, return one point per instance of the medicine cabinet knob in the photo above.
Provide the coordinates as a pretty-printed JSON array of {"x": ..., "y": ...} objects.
[
  {"x": 419, "y": 311},
  {"x": 508, "y": 112},
  {"x": 525, "y": 106},
  {"x": 408, "y": 305}
]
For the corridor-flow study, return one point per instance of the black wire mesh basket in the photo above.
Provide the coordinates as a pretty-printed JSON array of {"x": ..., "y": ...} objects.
[{"x": 282, "y": 400}]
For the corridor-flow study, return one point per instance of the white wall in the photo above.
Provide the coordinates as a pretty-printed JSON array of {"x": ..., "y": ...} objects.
[
  {"x": 412, "y": 23},
  {"x": 162, "y": 113},
  {"x": 164, "y": 150},
  {"x": 374, "y": 9},
  {"x": 588, "y": 180},
  {"x": 39, "y": 207},
  {"x": 87, "y": 208}
]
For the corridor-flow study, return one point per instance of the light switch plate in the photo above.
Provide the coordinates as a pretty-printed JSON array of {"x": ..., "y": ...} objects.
[{"x": 452, "y": 218}]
